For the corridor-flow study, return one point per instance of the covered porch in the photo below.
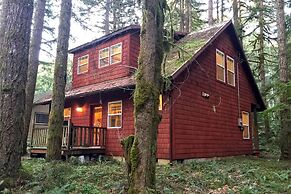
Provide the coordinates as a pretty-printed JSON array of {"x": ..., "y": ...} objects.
[{"x": 76, "y": 140}]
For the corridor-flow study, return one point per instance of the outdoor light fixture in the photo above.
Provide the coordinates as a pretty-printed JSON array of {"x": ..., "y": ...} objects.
[{"x": 79, "y": 109}]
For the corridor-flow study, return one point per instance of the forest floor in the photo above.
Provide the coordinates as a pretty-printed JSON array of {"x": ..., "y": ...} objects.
[{"x": 227, "y": 175}]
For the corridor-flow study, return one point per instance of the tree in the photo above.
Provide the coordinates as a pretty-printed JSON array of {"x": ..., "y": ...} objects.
[
  {"x": 142, "y": 160},
  {"x": 56, "y": 117},
  {"x": 285, "y": 134},
  {"x": 15, "y": 25},
  {"x": 33, "y": 65},
  {"x": 210, "y": 13}
]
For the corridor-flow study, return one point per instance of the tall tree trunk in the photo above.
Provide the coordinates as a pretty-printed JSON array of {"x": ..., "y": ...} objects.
[
  {"x": 182, "y": 15},
  {"x": 262, "y": 71},
  {"x": 107, "y": 13},
  {"x": 146, "y": 99},
  {"x": 285, "y": 134},
  {"x": 188, "y": 16},
  {"x": 57, "y": 107},
  {"x": 33, "y": 66},
  {"x": 222, "y": 11},
  {"x": 217, "y": 11},
  {"x": 236, "y": 19},
  {"x": 210, "y": 13},
  {"x": 15, "y": 26}
]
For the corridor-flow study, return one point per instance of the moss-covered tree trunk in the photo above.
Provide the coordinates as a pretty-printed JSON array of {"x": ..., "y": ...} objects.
[
  {"x": 33, "y": 65},
  {"x": 56, "y": 117},
  {"x": 285, "y": 129},
  {"x": 15, "y": 25},
  {"x": 146, "y": 99}
]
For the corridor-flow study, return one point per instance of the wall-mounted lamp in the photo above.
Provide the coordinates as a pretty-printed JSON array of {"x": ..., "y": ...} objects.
[{"x": 79, "y": 109}]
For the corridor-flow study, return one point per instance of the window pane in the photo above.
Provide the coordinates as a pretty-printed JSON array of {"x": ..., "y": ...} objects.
[
  {"x": 103, "y": 53},
  {"x": 114, "y": 120},
  {"x": 115, "y": 49},
  {"x": 83, "y": 68},
  {"x": 220, "y": 73},
  {"x": 230, "y": 65},
  {"x": 83, "y": 60},
  {"x": 220, "y": 58},
  {"x": 246, "y": 132},
  {"x": 230, "y": 78},
  {"x": 245, "y": 119},
  {"x": 115, "y": 108},
  {"x": 67, "y": 112},
  {"x": 116, "y": 58},
  {"x": 41, "y": 118},
  {"x": 104, "y": 62}
]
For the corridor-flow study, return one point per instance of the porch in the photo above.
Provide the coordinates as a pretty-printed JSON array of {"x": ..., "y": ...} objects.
[{"x": 76, "y": 140}]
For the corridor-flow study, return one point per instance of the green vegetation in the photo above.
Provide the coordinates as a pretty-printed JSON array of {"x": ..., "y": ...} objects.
[{"x": 229, "y": 175}]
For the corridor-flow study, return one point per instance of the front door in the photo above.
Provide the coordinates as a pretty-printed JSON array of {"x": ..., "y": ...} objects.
[{"x": 96, "y": 121}]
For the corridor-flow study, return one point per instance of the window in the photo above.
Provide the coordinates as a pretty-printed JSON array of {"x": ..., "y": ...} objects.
[
  {"x": 114, "y": 114},
  {"x": 41, "y": 118},
  {"x": 115, "y": 53},
  {"x": 67, "y": 113},
  {"x": 161, "y": 102},
  {"x": 83, "y": 64},
  {"x": 104, "y": 57},
  {"x": 245, "y": 125},
  {"x": 220, "y": 66},
  {"x": 230, "y": 71}
]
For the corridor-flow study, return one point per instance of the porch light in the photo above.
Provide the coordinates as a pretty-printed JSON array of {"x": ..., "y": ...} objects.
[{"x": 79, "y": 109}]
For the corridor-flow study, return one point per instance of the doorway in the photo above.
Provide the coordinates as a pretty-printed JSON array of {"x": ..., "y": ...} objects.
[{"x": 96, "y": 121}]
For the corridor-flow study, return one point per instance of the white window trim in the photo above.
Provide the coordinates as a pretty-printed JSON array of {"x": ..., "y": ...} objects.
[
  {"x": 104, "y": 57},
  {"x": 218, "y": 51},
  {"x": 243, "y": 112},
  {"x": 228, "y": 57},
  {"x": 119, "y": 101},
  {"x": 78, "y": 72},
  {"x": 115, "y": 53}
]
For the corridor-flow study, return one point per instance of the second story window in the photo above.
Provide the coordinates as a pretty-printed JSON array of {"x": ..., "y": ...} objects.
[
  {"x": 230, "y": 71},
  {"x": 115, "y": 53},
  {"x": 104, "y": 57},
  {"x": 220, "y": 66},
  {"x": 110, "y": 55},
  {"x": 83, "y": 63}
]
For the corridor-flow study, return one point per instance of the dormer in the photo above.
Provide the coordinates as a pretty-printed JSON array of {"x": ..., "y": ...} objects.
[{"x": 110, "y": 57}]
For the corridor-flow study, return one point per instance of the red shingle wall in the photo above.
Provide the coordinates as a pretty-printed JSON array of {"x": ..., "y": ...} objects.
[
  {"x": 199, "y": 129},
  {"x": 113, "y": 135},
  {"x": 96, "y": 74}
]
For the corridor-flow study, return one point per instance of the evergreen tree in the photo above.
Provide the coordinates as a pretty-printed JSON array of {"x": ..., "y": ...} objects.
[
  {"x": 56, "y": 117},
  {"x": 15, "y": 22}
]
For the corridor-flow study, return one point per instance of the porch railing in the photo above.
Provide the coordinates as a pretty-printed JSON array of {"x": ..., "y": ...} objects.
[{"x": 72, "y": 136}]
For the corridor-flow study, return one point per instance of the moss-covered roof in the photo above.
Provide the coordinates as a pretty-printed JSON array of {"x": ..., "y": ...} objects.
[{"x": 186, "y": 48}]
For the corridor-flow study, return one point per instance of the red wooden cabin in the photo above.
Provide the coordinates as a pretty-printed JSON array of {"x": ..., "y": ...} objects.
[{"x": 208, "y": 109}]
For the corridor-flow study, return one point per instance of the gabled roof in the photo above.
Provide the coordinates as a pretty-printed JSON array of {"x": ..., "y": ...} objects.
[
  {"x": 105, "y": 38},
  {"x": 195, "y": 43}
]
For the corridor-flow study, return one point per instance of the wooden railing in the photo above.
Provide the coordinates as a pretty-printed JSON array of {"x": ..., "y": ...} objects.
[
  {"x": 72, "y": 136},
  {"x": 84, "y": 136}
]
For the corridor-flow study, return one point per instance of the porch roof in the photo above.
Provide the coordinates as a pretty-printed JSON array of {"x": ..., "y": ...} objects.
[{"x": 90, "y": 89}]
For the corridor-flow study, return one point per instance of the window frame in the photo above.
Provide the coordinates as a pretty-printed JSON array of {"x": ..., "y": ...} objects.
[
  {"x": 110, "y": 54},
  {"x": 99, "y": 59},
  {"x": 40, "y": 113},
  {"x": 234, "y": 76},
  {"x": 216, "y": 64},
  {"x": 78, "y": 66},
  {"x": 248, "y": 126},
  {"x": 108, "y": 115}
]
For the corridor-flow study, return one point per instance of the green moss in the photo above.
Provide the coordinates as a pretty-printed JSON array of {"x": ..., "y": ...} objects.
[
  {"x": 181, "y": 53},
  {"x": 134, "y": 156}
]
